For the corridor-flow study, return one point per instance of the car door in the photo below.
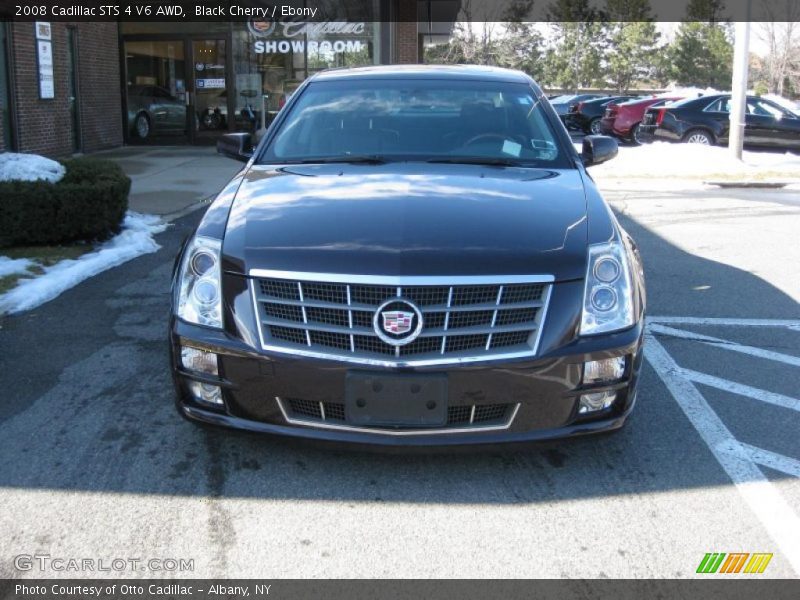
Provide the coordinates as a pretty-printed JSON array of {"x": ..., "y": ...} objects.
[
  {"x": 771, "y": 125},
  {"x": 172, "y": 112},
  {"x": 717, "y": 116}
]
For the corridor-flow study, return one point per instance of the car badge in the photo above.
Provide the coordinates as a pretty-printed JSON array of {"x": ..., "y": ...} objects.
[{"x": 397, "y": 322}]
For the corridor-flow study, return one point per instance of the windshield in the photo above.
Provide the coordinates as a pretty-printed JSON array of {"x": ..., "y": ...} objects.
[{"x": 419, "y": 120}]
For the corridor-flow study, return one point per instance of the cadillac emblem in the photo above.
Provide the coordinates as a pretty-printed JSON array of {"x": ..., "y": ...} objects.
[
  {"x": 261, "y": 28},
  {"x": 397, "y": 322}
]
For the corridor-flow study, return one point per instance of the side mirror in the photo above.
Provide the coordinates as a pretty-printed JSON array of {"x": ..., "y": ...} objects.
[
  {"x": 598, "y": 149},
  {"x": 238, "y": 146}
]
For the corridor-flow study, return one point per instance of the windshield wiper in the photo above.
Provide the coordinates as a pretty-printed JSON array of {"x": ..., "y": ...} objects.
[
  {"x": 477, "y": 160},
  {"x": 371, "y": 159}
]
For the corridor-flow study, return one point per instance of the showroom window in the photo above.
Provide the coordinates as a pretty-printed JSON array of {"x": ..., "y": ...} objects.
[
  {"x": 193, "y": 82},
  {"x": 270, "y": 62}
]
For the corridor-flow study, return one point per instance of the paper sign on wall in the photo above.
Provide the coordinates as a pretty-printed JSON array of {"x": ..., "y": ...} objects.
[{"x": 44, "y": 54}]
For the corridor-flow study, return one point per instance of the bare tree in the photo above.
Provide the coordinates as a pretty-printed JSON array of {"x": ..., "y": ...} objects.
[
  {"x": 781, "y": 34},
  {"x": 474, "y": 42}
]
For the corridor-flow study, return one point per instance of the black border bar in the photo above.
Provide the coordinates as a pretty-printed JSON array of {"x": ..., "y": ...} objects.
[
  {"x": 711, "y": 588},
  {"x": 411, "y": 10}
]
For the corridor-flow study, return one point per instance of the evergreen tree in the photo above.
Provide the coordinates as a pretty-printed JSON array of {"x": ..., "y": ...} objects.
[
  {"x": 521, "y": 47},
  {"x": 702, "y": 55},
  {"x": 632, "y": 39},
  {"x": 573, "y": 62}
]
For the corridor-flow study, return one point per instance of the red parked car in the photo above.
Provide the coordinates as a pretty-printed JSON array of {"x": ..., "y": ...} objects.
[{"x": 622, "y": 120}]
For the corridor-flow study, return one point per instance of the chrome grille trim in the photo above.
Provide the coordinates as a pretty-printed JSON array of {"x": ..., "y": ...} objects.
[
  {"x": 474, "y": 318},
  {"x": 323, "y": 424}
]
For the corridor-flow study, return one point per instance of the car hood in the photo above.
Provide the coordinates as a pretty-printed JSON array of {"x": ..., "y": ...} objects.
[{"x": 408, "y": 219}]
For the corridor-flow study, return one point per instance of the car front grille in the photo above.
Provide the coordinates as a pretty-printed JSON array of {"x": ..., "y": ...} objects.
[
  {"x": 464, "y": 318},
  {"x": 474, "y": 416}
]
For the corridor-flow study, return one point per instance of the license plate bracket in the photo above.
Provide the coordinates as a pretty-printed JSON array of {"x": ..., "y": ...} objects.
[{"x": 395, "y": 400}]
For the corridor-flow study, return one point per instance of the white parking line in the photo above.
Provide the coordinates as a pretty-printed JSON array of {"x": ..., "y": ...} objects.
[
  {"x": 778, "y": 462},
  {"x": 790, "y": 323},
  {"x": 767, "y": 504},
  {"x": 725, "y": 344},
  {"x": 741, "y": 389}
]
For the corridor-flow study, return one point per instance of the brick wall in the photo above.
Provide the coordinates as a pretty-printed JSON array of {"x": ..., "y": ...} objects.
[
  {"x": 406, "y": 38},
  {"x": 45, "y": 126},
  {"x": 101, "y": 106}
]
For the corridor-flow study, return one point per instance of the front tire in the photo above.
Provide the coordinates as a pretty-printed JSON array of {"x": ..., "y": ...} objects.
[
  {"x": 593, "y": 127},
  {"x": 635, "y": 137},
  {"x": 699, "y": 136},
  {"x": 141, "y": 126}
]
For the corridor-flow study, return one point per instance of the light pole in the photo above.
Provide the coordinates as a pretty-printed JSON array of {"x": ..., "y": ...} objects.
[{"x": 739, "y": 84}]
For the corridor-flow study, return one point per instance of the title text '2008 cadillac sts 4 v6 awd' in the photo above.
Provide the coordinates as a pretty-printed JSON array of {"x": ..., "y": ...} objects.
[{"x": 411, "y": 256}]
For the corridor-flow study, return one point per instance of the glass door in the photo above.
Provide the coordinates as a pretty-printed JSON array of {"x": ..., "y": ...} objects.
[
  {"x": 156, "y": 92},
  {"x": 209, "y": 103}
]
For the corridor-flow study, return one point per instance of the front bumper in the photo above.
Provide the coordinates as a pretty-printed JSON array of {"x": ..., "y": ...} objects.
[{"x": 543, "y": 391}]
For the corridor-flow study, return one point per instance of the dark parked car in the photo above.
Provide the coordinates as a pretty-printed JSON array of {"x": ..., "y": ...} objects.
[
  {"x": 623, "y": 120},
  {"x": 410, "y": 256},
  {"x": 705, "y": 120},
  {"x": 562, "y": 104},
  {"x": 153, "y": 110},
  {"x": 586, "y": 115}
]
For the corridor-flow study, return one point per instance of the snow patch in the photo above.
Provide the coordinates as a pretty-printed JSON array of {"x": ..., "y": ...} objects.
[
  {"x": 29, "y": 167},
  {"x": 12, "y": 266},
  {"x": 689, "y": 92},
  {"x": 135, "y": 239},
  {"x": 664, "y": 160}
]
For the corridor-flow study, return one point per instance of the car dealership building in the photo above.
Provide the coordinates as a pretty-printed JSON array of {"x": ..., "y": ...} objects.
[{"x": 79, "y": 87}]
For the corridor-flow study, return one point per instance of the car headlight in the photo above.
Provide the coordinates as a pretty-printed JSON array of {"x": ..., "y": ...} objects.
[
  {"x": 608, "y": 297},
  {"x": 200, "y": 295}
]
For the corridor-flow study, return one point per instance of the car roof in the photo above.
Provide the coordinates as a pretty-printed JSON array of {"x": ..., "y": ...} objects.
[
  {"x": 654, "y": 99},
  {"x": 455, "y": 72},
  {"x": 706, "y": 99},
  {"x": 603, "y": 99}
]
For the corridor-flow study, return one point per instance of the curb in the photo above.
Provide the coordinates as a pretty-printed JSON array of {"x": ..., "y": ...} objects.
[{"x": 750, "y": 184}]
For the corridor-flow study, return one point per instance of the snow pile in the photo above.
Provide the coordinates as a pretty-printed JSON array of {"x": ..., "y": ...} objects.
[
  {"x": 29, "y": 167},
  {"x": 135, "y": 239},
  {"x": 9, "y": 266},
  {"x": 689, "y": 92},
  {"x": 665, "y": 160}
]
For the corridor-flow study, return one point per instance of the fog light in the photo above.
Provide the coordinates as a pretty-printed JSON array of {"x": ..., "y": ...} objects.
[
  {"x": 606, "y": 370},
  {"x": 199, "y": 360},
  {"x": 206, "y": 392},
  {"x": 596, "y": 401}
]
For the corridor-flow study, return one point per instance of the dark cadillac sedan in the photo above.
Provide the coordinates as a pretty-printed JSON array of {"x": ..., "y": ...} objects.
[{"x": 411, "y": 256}]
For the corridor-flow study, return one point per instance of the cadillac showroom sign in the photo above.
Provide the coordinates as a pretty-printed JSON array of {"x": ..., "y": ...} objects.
[{"x": 295, "y": 36}]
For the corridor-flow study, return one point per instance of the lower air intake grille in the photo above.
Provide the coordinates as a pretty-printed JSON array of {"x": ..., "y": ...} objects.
[{"x": 458, "y": 417}]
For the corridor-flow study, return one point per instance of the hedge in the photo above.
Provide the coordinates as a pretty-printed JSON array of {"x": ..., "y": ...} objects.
[{"x": 88, "y": 203}]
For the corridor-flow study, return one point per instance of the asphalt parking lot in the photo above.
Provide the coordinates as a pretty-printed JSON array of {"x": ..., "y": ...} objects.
[{"x": 96, "y": 463}]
